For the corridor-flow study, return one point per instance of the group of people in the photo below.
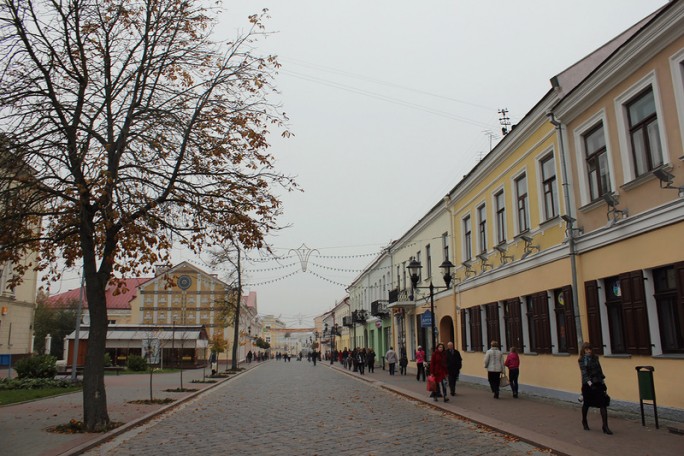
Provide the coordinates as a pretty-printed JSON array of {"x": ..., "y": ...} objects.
[
  {"x": 446, "y": 363},
  {"x": 358, "y": 359},
  {"x": 594, "y": 389},
  {"x": 256, "y": 356},
  {"x": 445, "y": 368}
]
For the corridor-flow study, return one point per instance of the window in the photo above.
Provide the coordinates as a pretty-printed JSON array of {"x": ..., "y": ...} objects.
[
  {"x": 538, "y": 323},
  {"x": 467, "y": 239},
  {"x": 482, "y": 228},
  {"x": 643, "y": 132},
  {"x": 493, "y": 332},
  {"x": 428, "y": 260},
  {"x": 565, "y": 320},
  {"x": 670, "y": 304},
  {"x": 549, "y": 187},
  {"x": 445, "y": 246},
  {"x": 513, "y": 324},
  {"x": 521, "y": 197},
  {"x": 598, "y": 172},
  {"x": 464, "y": 329},
  {"x": 475, "y": 319},
  {"x": 500, "y": 217},
  {"x": 403, "y": 274},
  {"x": 627, "y": 316},
  {"x": 420, "y": 271}
]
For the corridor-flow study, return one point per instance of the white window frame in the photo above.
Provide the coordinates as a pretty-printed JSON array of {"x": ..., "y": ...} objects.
[
  {"x": 581, "y": 154},
  {"x": 495, "y": 212},
  {"x": 467, "y": 248},
  {"x": 677, "y": 70},
  {"x": 550, "y": 151},
  {"x": 482, "y": 205},
  {"x": 622, "y": 120},
  {"x": 514, "y": 201}
]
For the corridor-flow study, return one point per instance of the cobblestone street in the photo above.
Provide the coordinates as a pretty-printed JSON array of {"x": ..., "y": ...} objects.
[{"x": 296, "y": 408}]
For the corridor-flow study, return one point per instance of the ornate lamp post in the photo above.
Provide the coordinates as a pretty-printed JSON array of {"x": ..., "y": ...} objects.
[{"x": 414, "y": 270}]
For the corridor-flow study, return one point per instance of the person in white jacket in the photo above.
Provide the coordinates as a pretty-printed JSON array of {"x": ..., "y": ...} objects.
[{"x": 493, "y": 362}]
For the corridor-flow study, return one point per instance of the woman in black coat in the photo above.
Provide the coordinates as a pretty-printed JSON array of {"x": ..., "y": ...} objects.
[{"x": 593, "y": 387}]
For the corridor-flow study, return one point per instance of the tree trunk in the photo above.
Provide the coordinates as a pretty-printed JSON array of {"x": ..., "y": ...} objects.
[{"x": 96, "y": 417}]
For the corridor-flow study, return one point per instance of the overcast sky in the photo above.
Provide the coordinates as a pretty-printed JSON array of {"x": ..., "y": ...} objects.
[{"x": 391, "y": 102}]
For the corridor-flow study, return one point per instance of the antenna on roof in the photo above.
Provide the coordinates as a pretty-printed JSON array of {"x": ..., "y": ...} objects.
[{"x": 504, "y": 120}]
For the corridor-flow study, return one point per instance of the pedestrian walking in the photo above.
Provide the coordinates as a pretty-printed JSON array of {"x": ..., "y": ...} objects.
[
  {"x": 493, "y": 362},
  {"x": 314, "y": 357},
  {"x": 454, "y": 363},
  {"x": 438, "y": 368},
  {"x": 361, "y": 360},
  {"x": 593, "y": 387},
  {"x": 370, "y": 360},
  {"x": 513, "y": 364},
  {"x": 391, "y": 358},
  {"x": 420, "y": 363},
  {"x": 403, "y": 362}
]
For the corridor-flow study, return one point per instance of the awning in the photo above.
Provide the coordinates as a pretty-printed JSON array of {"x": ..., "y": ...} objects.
[{"x": 403, "y": 305}]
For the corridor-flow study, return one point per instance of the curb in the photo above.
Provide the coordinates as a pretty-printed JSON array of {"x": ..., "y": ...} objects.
[
  {"x": 544, "y": 443},
  {"x": 110, "y": 435}
]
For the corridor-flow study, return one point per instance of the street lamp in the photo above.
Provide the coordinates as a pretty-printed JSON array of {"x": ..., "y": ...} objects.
[{"x": 414, "y": 269}]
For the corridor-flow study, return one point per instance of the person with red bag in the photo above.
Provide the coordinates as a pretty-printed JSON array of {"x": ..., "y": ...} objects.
[{"x": 438, "y": 369}]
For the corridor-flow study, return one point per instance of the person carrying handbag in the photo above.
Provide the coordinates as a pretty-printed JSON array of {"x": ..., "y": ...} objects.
[{"x": 493, "y": 362}]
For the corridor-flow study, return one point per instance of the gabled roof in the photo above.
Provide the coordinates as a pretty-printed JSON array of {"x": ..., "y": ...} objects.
[
  {"x": 119, "y": 301},
  {"x": 566, "y": 81},
  {"x": 184, "y": 266}
]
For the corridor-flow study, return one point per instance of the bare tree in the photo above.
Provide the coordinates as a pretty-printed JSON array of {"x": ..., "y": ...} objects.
[{"x": 128, "y": 129}]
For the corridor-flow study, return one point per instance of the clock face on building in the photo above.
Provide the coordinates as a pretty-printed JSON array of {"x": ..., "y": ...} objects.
[{"x": 184, "y": 282}]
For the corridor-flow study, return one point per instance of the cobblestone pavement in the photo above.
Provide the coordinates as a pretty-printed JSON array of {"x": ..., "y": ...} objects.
[{"x": 296, "y": 408}]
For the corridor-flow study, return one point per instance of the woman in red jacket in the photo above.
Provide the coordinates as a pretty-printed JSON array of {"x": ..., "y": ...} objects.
[
  {"x": 438, "y": 368},
  {"x": 513, "y": 364}
]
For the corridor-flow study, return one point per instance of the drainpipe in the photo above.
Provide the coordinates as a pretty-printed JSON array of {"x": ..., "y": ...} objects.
[
  {"x": 455, "y": 289},
  {"x": 569, "y": 220}
]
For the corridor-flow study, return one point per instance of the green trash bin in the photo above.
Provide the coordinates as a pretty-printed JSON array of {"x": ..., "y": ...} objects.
[{"x": 646, "y": 391}]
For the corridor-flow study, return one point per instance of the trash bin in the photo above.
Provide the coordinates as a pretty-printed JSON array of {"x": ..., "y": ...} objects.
[{"x": 646, "y": 391}]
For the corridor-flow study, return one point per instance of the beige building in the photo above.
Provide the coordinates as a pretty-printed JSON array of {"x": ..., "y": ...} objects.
[
  {"x": 187, "y": 295},
  {"x": 17, "y": 309}
]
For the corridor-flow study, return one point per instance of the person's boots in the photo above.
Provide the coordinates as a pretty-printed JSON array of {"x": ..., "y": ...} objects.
[
  {"x": 604, "y": 417},
  {"x": 584, "y": 418}
]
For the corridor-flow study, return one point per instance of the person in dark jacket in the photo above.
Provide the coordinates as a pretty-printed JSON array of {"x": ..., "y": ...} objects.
[
  {"x": 593, "y": 387},
  {"x": 454, "y": 363},
  {"x": 438, "y": 368},
  {"x": 361, "y": 360},
  {"x": 370, "y": 360},
  {"x": 403, "y": 362}
]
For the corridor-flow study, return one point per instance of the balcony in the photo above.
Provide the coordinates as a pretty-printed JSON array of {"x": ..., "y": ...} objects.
[{"x": 379, "y": 309}]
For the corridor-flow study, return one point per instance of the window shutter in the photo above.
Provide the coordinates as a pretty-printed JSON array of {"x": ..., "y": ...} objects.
[
  {"x": 637, "y": 335},
  {"x": 594, "y": 316}
]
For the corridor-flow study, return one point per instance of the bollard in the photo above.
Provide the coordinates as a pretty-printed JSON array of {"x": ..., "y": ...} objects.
[{"x": 646, "y": 391}]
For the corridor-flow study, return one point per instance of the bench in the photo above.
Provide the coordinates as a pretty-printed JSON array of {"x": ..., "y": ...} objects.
[
  {"x": 68, "y": 370},
  {"x": 114, "y": 368}
]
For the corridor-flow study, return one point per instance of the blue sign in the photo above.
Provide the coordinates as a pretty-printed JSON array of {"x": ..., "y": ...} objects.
[{"x": 426, "y": 319}]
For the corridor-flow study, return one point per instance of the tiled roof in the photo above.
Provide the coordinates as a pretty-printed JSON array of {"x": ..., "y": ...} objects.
[{"x": 121, "y": 301}]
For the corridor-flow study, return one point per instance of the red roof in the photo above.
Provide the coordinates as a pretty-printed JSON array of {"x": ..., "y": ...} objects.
[{"x": 121, "y": 301}]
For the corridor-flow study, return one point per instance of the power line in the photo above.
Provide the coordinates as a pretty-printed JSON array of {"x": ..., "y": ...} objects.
[
  {"x": 384, "y": 83},
  {"x": 386, "y": 98}
]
